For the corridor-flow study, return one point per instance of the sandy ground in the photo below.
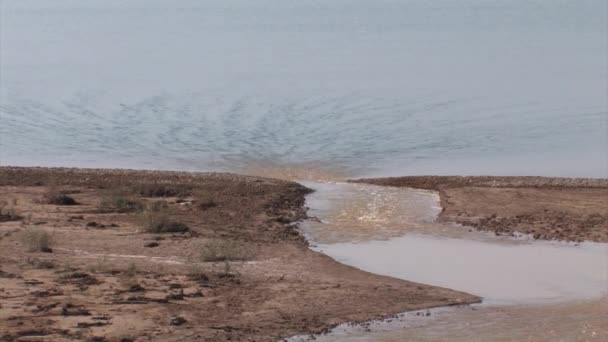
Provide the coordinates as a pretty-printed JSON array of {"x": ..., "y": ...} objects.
[
  {"x": 106, "y": 279},
  {"x": 566, "y": 209}
]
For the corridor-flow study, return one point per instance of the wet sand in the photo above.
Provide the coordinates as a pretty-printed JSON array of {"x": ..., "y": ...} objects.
[
  {"x": 568, "y": 209},
  {"x": 105, "y": 278}
]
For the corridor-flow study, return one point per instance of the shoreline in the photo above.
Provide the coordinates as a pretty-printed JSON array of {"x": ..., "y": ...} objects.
[
  {"x": 281, "y": 289},
  {"x": 105, "y": 277},
  {"x": 547, "y": 208}
]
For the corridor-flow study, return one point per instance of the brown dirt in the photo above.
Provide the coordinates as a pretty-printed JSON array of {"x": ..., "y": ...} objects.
[
  {"x": 107, "y": 280},
  {"x": 570, "y": 209}
]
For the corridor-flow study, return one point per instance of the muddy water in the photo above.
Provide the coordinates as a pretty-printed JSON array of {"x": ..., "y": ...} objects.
[
  {"x": 353, "y": 212},
  {"x": 579, "y": 321},
  {"x": 500, "y": 273},
  {"x": 391, "y": 231}
]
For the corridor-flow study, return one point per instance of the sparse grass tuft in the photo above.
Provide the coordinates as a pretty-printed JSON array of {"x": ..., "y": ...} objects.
[
  {"x": 157, "y": 219},
  {"x": 129, "y": 278},
  {"x": 37, "y": 240},
  {"x": 197, "y": 272},
  {"x": 100, "y": 265},
  {"x": 8, "y": 213},
  {"x": 224, "y": 250},
  {"x": 40, "y": 263},
  {"x": 131, "y": 270},
  {"x": 117, "y": 201}
]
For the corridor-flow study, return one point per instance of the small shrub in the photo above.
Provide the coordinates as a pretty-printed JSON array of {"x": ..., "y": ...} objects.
[
  {"x": 223, "y": 250},
  {"x": 37, "y": 240},
  {"x": 204, "y": 202},
  {"x": 40, "y": 263},
  {"x": 171, "y": 227},
  {"x": 129, "y": 278},
  {"x": 56, "y": 197},
  {"x": 8, "y": 213},
  {"x": 226, "y": 270},
  {"x": 197, "y": 272},
  {"x": 100, "y": 265},
  {"x": 119, "y": 202},
  {"x": 131, "y": 270},
  {"x": 78, "y": 278},
  {"x": 157, "y": 219}
]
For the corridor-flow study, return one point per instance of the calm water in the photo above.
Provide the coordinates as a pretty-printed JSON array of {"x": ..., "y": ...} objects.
[{"x": 369, "y": 87}]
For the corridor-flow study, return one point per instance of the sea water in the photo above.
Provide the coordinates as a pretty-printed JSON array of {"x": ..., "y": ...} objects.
[{"x": 381, "y": 87}]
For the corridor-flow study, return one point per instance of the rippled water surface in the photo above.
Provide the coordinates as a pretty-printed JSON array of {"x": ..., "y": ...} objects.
[{"x": 367, "y": 87}]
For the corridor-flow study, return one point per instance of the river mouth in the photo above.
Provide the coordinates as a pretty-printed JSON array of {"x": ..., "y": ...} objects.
[{"x": 393, "y": 232}]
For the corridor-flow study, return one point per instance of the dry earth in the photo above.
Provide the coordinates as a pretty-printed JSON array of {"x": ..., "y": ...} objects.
[
  {"x": 570, "y": 209},
  {"x": 103, "y": 277}
]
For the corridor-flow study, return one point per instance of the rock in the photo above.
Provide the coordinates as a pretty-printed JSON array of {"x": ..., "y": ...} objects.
[
  {"x": 177, "y": 320},
  {"x": 151, "y": 244},
  {"x": 283, "y": 220},
  {"x": 61, "y": 199}
]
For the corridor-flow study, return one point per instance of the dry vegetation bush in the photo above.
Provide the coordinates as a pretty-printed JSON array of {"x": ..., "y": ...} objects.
[
  {"x": 162, "y": 190},
  {"x": 36, "y": 240},
  {"x": 129, "y": 277},
  {"x": 99, "y": 266},
  {"x": 119, "y": 201},
  {"x": 225, "y": 270},
  {"x": 105, "y": 265},
  {"x": 37, "y": 263},
  {"x": 220, "y": 253},
  {"x": 204, "y": 201},
  {"x": 56, "y": 197},
  {"x": 197, "y": 272},
  {"x": 8, "y": 213},
  {"x": 156, "y": 218},
  {"x": 224, "y": 250}
]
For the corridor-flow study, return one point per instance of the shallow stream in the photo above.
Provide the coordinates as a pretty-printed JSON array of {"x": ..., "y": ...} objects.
[{"x": 391, "y": 231}]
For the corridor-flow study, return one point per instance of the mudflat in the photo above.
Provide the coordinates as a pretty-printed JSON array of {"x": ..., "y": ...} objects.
[
  {"x": 568, "y": 209},
  {"x": 119, "y": 255}
]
